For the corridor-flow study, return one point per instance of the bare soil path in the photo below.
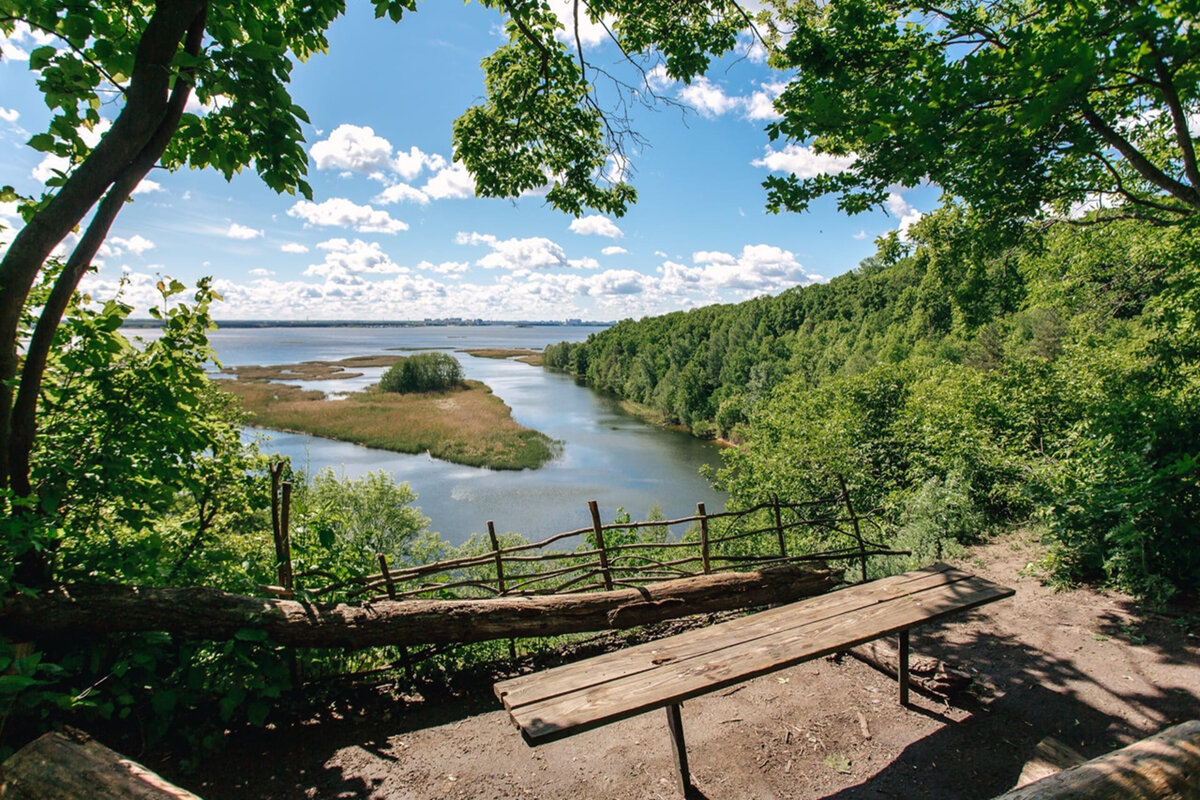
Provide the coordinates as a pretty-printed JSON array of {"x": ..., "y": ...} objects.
[{"x": 1089, "y": 668}]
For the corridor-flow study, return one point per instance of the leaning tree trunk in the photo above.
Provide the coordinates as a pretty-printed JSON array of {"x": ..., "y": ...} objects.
[{"x": 89, "y": 611}]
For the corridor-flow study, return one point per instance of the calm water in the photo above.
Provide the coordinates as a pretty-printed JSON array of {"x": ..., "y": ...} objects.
[{"x": 607, "y": 455}]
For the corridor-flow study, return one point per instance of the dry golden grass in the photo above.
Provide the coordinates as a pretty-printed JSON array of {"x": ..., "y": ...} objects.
[
  {"x": 533, "y": 357},
  {"x": 467, "y": 426}
]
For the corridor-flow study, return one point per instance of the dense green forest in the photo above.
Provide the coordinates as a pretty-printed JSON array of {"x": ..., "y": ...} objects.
[{"x": 967, "y": 379}]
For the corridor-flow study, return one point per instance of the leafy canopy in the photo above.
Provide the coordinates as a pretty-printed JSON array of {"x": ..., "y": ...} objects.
[{"x": 1012, "y": 105}]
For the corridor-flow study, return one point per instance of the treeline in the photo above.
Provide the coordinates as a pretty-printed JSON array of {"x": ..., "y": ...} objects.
[{"x": 970, "y": 379}]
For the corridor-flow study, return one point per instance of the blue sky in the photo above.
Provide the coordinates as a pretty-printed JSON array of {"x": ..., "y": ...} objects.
[{"x": 395, "y": 232}]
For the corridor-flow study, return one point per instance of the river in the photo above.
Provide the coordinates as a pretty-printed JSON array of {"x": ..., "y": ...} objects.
[{"x": 607, "y": 455}]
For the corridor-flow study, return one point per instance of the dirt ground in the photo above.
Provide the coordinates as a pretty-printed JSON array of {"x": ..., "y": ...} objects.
[{"x": 1091, "y": 669}]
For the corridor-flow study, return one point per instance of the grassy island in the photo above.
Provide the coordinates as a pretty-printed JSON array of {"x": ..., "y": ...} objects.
[
  {"x": 521, "y": 354},
  {"x": 466, "y": 424}
]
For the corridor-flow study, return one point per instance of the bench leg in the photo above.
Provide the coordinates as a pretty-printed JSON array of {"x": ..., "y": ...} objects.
[
  {"x": 903, "y": 667},
  {"x": 675, "y": 725}
]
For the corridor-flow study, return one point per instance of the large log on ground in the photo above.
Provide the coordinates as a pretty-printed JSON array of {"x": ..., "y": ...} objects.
[
  {"x": 1165, "y": 766},
  {"x": 924, "y": 672},
  {"x": 80, "y": 611},
  {"x": 72, "y": 766}
]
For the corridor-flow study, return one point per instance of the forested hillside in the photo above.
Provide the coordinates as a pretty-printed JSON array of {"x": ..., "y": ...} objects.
[{"x": 969, "y": 379}]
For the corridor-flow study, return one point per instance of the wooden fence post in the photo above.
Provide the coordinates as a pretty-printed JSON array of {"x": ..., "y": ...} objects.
[
  {"x": 491, "y": 525},
  {"x": 283, "y": 544},
  {"x": 387, "y": 576},
  {"x": 598, "y": 530},
  {"x": 862, "y": 547},
  {"x": 779, "y": 526},
  {"x": 704, "y": 560}
]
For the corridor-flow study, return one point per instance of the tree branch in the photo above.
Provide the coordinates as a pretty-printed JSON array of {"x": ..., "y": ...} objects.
[{"x": 1139, "y": 162}]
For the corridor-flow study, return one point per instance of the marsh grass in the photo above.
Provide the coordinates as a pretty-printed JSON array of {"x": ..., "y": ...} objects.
[
  {"x": 311, "y": 370},
  {"x": 532, "y": 357},
  {"x": 468, "y": 426}
]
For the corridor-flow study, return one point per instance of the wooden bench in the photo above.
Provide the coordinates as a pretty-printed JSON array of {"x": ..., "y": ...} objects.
[{"x": 573, "y": 698}]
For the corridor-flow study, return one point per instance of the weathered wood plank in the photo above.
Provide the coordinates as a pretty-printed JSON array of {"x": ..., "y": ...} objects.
[
  {"x": 651, "y": 655},
  {"x": 731, "y": 659}
]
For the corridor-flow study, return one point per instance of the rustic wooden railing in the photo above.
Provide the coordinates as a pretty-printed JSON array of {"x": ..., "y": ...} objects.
[{"x": 625, "y": 554}]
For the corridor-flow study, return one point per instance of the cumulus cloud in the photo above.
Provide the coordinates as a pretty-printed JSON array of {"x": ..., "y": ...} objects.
[
  {"x": 708, "y": 98},
  {"x": 9, "y": 114},
  {"x": 409, "y": 165},
  {"x": 195, "y": 106},
  {"x": 760, "y": 105},
  {"x": 340, "y": 212},
  {"x": 450, "y": 182},
  {"x": 147, "y": 186},
  {"x": 802, "y": 162},
  {"x": 13, "y": 46},
  {"x": 618, "y": 282},
  {"x": 860, "y": 235},
  {"x": 591, "y": 33},
  {"x": 758, "y": 269},
  {"x": 344, "y": 259},
  {"x": 237, "y": 231},
  {"x": 401, "y": 192},
  {"x": 900, "y": 208},
  {"x": 354, "y": 148},
  {"x": 259, "y": 272},
  {"x": 534, "y": 253},
  {"x": 445, "y": 268},
  {"x": 596, "y": 225},
  {"x": 614, "y": 250},
  {"x": 119, "y": 245},
  {"x": 293, "y": 247}
]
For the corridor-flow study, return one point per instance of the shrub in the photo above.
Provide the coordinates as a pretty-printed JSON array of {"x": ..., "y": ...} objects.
[{"x": 424, "y": 372}]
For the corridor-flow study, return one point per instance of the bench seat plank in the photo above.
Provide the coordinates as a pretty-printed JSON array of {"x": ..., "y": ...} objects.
[
  {"x": 567, "y": 700},
  {"x": 581, "y": 675}
]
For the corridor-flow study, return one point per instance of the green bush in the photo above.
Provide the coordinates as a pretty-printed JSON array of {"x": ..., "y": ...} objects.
[{"x": 424, "y": 372}]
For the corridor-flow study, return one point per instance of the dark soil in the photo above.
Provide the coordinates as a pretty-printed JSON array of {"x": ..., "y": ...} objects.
[{"x": 1091, "y": 669}]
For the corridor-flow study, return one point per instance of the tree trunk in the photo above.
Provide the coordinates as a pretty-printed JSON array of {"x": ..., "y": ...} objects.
[
  {"x": 72, "y": 766},
  {"x": 89, "y": 611},
  {"x": 1165, "y": 766}
]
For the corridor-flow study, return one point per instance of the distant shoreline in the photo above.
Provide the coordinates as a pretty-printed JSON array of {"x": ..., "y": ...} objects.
[{"x": 150, "y": 323}]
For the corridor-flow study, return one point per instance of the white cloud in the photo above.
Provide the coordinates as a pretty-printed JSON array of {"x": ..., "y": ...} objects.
[
  {"x": 340, "y": 212},
  {"x": 897, "y": 206},
  {"x": 259, "y": 272},
  {"x": 614, "y": 250},
  {"x": 618, "y": 282},
  {"x": 50, "y": 163},
  {"x": 517, "y": 254},
  {"x": 146, "y": 186},
  {"x": 659, "y": 79},
  {"x": 596, "y": 225},
  {"x": 751, "y": 48},
  {"x": 760, "y": 104},
  {"x": 345, "y": 259},
  {"x": 708, "y": 98},
  {"x": 445, "y": 268},
  {"x": 353, "y": 147},
  {"x": 9, "y": 114},
  {"x": 450, "y": 182},
  {"x": 293, "y": 247},
  {"x": 803, "y": 162},
  {"x": 861, "y": 235},
  {"x": 591, "y": 33},
  {"x": 399, "y": 192},
  {"x": 237, "y": 231},
  {"x": 409, "y": 165},
  {"x": 194, "y": 106},
  {"x": 136, "y": 244},
  {"x": 759, "y": 268},
  {"x": 12, "y": 47}
]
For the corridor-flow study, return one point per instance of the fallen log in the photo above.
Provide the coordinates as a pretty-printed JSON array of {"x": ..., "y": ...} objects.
[
  {"x": 1165, "y": 766},
  {"x": 1049, "y": 757},
  {"x": 70, "y": 765},
  {"x": 929, "y": 674},
  {"x": 197, "y": 613}
]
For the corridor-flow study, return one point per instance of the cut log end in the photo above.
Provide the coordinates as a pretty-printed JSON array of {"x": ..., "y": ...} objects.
[{"x": 70, "y": 765}]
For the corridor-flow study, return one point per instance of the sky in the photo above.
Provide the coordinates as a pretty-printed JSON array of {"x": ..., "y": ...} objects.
[{"x": 395, "y": 232}]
